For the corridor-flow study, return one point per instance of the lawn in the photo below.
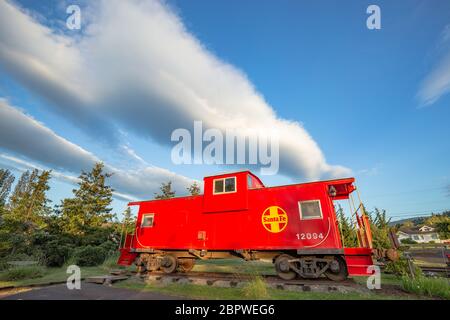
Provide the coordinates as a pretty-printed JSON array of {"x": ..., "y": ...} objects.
[
  {"x": 235, "y": 266},
  {"x": 208, "y": 292},
  {"x": 54, "y": 275}
]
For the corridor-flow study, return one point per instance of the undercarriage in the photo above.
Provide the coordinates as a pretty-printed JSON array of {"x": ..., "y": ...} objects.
[{"x": 288, "y": 265}]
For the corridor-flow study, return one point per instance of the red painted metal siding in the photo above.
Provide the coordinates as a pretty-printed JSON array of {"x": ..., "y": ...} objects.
[
  {"x": 235, "y": 222},
  {"x": 232, "y": 201}
]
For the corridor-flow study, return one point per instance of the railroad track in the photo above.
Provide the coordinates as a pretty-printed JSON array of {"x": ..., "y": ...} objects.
[
  {"x": 445, "y": 270},
  {"x": 234, "y": 279}
]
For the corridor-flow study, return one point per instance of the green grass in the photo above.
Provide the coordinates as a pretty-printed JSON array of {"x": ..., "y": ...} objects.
[
  {"x": 22, "y": 272},
  {"x": 386, "y": 279},
  {"x": 430, "y": 287},
  {"x": 208, "y": 292},
  {"x": 429, "y": 264},
  {"x": 51, "y": 275},
  {"x": 235, "y": 266},
  {"x": 256, "y": 288}
]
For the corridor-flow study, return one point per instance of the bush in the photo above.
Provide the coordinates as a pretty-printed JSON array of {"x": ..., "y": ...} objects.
[
  {"x": 432, "y": 287},
  {"x": 20, "y": 257},
  {"x": 52, "y": 251},
  {"x": 401, "y": 268},
  {"x": 111, "y": 261},
  {"x": 256, "y": 289},
  {"x": 3, "y": 265},
  {"x": 89, "y": 256},
  {"x": 109, "y": 247},
  {"x": 20, "y": 273},
  {"x": 55, "y": 253}
]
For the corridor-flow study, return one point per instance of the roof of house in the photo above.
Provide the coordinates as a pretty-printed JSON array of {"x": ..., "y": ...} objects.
[{"x": 414, "y": 230}]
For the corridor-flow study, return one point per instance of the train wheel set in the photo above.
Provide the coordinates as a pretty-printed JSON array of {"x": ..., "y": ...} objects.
[{"x": 287, "y": 267}]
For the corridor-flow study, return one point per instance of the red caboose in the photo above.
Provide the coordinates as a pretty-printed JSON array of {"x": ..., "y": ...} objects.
[{"x": 237, "y": 216}]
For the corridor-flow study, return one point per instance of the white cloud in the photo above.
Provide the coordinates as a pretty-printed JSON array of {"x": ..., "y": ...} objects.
[
  {"x": 138, "y": 66},
  {"x": 437, "y": 83},
  {"x": 22, "y": 135}
]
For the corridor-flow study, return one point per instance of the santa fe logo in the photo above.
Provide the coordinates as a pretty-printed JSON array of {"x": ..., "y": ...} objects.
[{"x": 274, "y": 219}]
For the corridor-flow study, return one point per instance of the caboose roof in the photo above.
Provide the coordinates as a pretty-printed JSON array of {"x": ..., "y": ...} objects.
[{"x": 226, "y": 174}]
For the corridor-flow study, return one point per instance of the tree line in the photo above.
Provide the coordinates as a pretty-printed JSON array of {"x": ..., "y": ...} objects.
[{"x": 83, "y": 227}]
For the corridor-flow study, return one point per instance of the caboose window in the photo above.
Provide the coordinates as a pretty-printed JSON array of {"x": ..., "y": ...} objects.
[
  {"x": 310, "y": 209},
  {"x": 230, "y": 184},
  {"x": 147, "y": 220},
  {"x": 225, "y": 185}
]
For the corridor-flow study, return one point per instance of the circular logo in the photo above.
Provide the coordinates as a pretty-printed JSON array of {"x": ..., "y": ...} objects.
[{"x": 274, "y": 219}]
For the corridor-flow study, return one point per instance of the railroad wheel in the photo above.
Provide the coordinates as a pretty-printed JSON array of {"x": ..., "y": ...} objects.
[
  {"x": 169, "y": 264},
  {"x": 337, "y": 271},
  {"x": 282, "y": 266},
  {"x": 185, "y": 264}
]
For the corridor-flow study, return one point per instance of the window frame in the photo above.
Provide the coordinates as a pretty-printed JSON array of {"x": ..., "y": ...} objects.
[
  {"x": 310, "y": 218},
  {"x": 144, "y": 215},
  {"x": 224, "y": 185}
]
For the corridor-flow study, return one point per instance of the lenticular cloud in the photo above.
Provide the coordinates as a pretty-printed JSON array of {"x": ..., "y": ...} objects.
[{"x": 136, "y": 66}]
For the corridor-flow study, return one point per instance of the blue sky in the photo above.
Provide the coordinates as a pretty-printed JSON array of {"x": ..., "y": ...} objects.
[{"x": 374, "y": 101}]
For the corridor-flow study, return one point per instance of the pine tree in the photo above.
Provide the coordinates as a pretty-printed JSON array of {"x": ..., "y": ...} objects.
[
  {"x": 166, "y": 191},
  {"x": 128, "y": 221},
  {"x": 381, "y": 220},
  {"x": 379, "y": 227},
  {"x": 26, "y": 211},
  {"x": 194, "y": 189},
  {"x": 348, "y": 232},
  {"x": 6, "y": 181},
  {"x": 21, "y": 191},
  {"x": 89, "y": 208},
  {"x": 29, "y": 203}
]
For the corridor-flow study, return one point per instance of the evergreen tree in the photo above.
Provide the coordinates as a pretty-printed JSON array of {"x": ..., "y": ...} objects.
[
  {"x": 348, "y": 232},
  {"x": 381, "y": 220},
  {"x": 21, "y": 191},
  {"x": 89, "y": 208},
  {"x": 29, "y": 203},
  {"x": 128, "y": 221},
  {"x": 6, "y": 181},
  {"x": 194, "y": 189},
  {"x": 26, "y": 212},
  {"x": 379, "y": 227},
  {"x": 166, "y": 191}
]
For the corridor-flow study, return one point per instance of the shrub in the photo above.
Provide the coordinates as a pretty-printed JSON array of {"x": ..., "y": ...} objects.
[
  {"x": 25, "y": 272},
  {"x": 55, "y": 253},
  {"x": 432, "y": 287},
  {"x": 401, "y": 268},
  {"x": 3, "y": 265},
  {"x": 111, "y": 261},
  {"x": 109, "y": 247},
  {"x": 89, "y": 256},
  {"x": 20, "y": 257},
  {"x": 52, "y": 251},
  {"x": 256, "y": 289}
]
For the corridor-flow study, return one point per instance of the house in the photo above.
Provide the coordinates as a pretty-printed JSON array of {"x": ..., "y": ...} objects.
[{"x": 422, "y": 234}]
